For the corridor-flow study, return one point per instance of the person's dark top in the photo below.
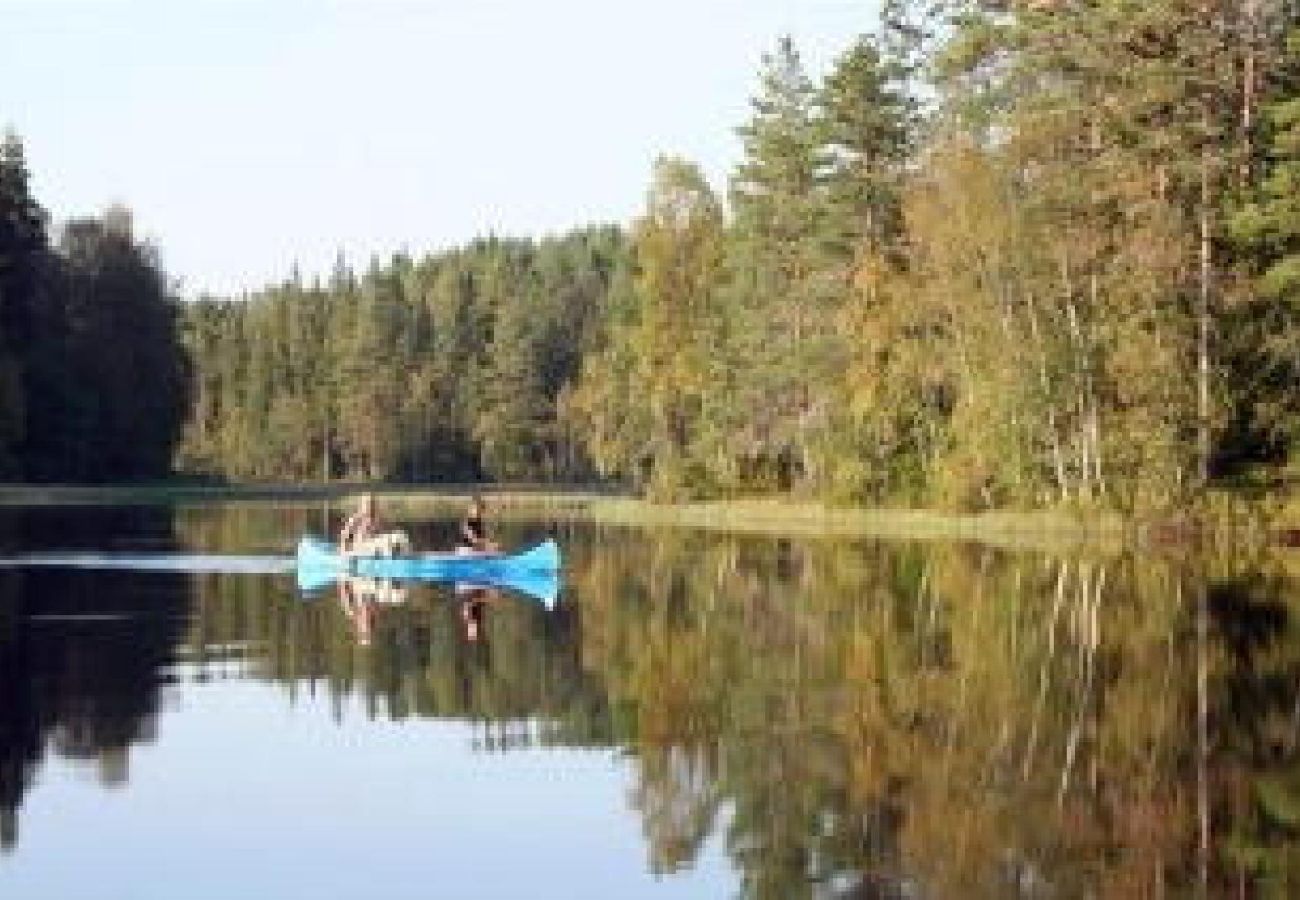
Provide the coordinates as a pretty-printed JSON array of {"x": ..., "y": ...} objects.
[{"x": 471, "y": 532}]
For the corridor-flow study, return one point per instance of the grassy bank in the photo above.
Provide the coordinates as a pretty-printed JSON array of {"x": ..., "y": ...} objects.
[
  {"x": 766, "y": 516},
  {"x": 1224, "y": 515},
  {"x": 412, "y": 497},
  {"x": 784, "y": 516}
]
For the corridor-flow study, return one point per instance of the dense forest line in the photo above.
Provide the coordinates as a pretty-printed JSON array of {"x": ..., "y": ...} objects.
[
  {"x": 94, "y": 382},
  {"x": 1002, "y": 254},
  {"x": 446, "y": 368}
]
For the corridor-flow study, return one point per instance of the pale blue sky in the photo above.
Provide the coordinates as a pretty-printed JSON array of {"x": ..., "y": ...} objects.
[{"x": 250, "y": 135}]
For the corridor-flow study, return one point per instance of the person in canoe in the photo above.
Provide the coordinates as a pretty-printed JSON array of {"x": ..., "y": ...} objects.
[
  {"x": 473, "y": 533},
  {"x": 363, "y": 534}
]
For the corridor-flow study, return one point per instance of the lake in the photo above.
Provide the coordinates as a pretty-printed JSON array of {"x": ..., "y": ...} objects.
[{"x": 699, "y": 715}]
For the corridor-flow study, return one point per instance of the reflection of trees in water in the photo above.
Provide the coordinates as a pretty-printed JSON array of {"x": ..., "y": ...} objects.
[
  {"x": 417, "y": 661},
  {"x": 678, "y": 798},
  {"x": 876, "y": 719},
  {"x": 81, "y": 653},
  {"x": 849, "y": 719},
  {"x": 521, "y": 683},
  {"x": 1253, "y": 716},
  {"x": 20, "y": 733}
]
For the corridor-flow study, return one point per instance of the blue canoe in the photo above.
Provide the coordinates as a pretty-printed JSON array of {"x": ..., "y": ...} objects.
[{"x": 535, "y": 572}]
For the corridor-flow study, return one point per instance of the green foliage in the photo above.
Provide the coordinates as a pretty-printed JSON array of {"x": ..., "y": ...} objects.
[
  {"x": 657, "y": 367},
  {"x": 1265, "y": 230},
  {"x": 867, "y": 116},
  {"x": 128, "y": 378},
  {"x": 1026, "y": 300},
  {"x": 782, "y": 287},
  {"x": 448, "y": 368},
  {"x": 94, "y": 385},
  {"x": 1002, "y": 254},
  {"x": 23, "y": 263}
]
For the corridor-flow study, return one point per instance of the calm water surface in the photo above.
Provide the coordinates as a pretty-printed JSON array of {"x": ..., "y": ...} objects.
[{"x": 700, "y": 715}]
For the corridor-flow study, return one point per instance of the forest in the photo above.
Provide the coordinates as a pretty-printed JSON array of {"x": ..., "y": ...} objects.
[
  {"x": 450, "y": 368},
  {"x": 1002, "y": 254},
  {"x": 94, "y": 380}
]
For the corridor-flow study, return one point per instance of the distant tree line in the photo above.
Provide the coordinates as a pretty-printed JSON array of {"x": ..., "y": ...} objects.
[
  {"x": 93, "y": 377},
  {"x": 1001, "y": 254},
  {"x": 446, "y": 368}
]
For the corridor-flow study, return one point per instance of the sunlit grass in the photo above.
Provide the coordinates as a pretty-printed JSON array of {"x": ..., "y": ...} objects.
[
  {"x": 768, "y": 516},
  {"x": 1222, "y": 515}
]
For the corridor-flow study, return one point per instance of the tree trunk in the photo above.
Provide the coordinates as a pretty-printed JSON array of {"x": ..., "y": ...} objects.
[
  {"x": 325, "y": 451},
  {"x": 1058, "y": 461},
  {"x": 1203, "y": 324},
  {"x": 1249, "y": 86}
]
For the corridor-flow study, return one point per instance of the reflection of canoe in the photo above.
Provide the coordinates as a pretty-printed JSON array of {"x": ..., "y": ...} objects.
[{"x": 534, "y": 571}]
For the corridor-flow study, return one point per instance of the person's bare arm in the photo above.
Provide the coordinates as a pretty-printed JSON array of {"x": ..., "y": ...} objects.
[{"x": 347, "y": 533}]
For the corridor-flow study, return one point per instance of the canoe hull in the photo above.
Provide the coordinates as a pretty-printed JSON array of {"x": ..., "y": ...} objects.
[{"x": 534, "y": 571}]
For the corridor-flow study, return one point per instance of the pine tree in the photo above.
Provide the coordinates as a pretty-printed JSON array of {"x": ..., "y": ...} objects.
[
  {"x": 1265, "y": 362},
  {"x": 866, "y": 116},
  {"x": 23, "y": 275},
  {"x": 23, "y": 244},
  {"x": 782, "y": 285}
]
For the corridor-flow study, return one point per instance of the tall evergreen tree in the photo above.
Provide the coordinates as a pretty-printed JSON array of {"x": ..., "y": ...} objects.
[
  {"x": 783, "y": 290},
  {"x": 23, "y": 272},
  {"x": 1264, "y": 363},
  {"x": 867, "y": 116},
  {"x": 130, "y": 372}
]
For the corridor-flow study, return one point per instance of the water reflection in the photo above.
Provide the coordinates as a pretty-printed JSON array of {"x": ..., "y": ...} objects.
[
  {"x": 362, "y": 598},
  {"x": 82, "y": 656},
  {"x": 852, "y": 718}
]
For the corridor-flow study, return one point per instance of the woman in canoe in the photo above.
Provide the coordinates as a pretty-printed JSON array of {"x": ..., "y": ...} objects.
[
  {"x": 364, "y": 535},
  {"x": 473, "y": 533}
]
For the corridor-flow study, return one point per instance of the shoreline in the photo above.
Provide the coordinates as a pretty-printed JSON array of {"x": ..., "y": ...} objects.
[
  {"x": 772, "y": 515},
  {"x": 1222, "y": 517}
]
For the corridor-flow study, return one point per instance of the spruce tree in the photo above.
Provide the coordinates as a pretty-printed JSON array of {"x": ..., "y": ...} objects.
[
  {"x": 866, "y": 116},
  {"x": 781, "y": 286},
  {"x": 24, "y": 271}
]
